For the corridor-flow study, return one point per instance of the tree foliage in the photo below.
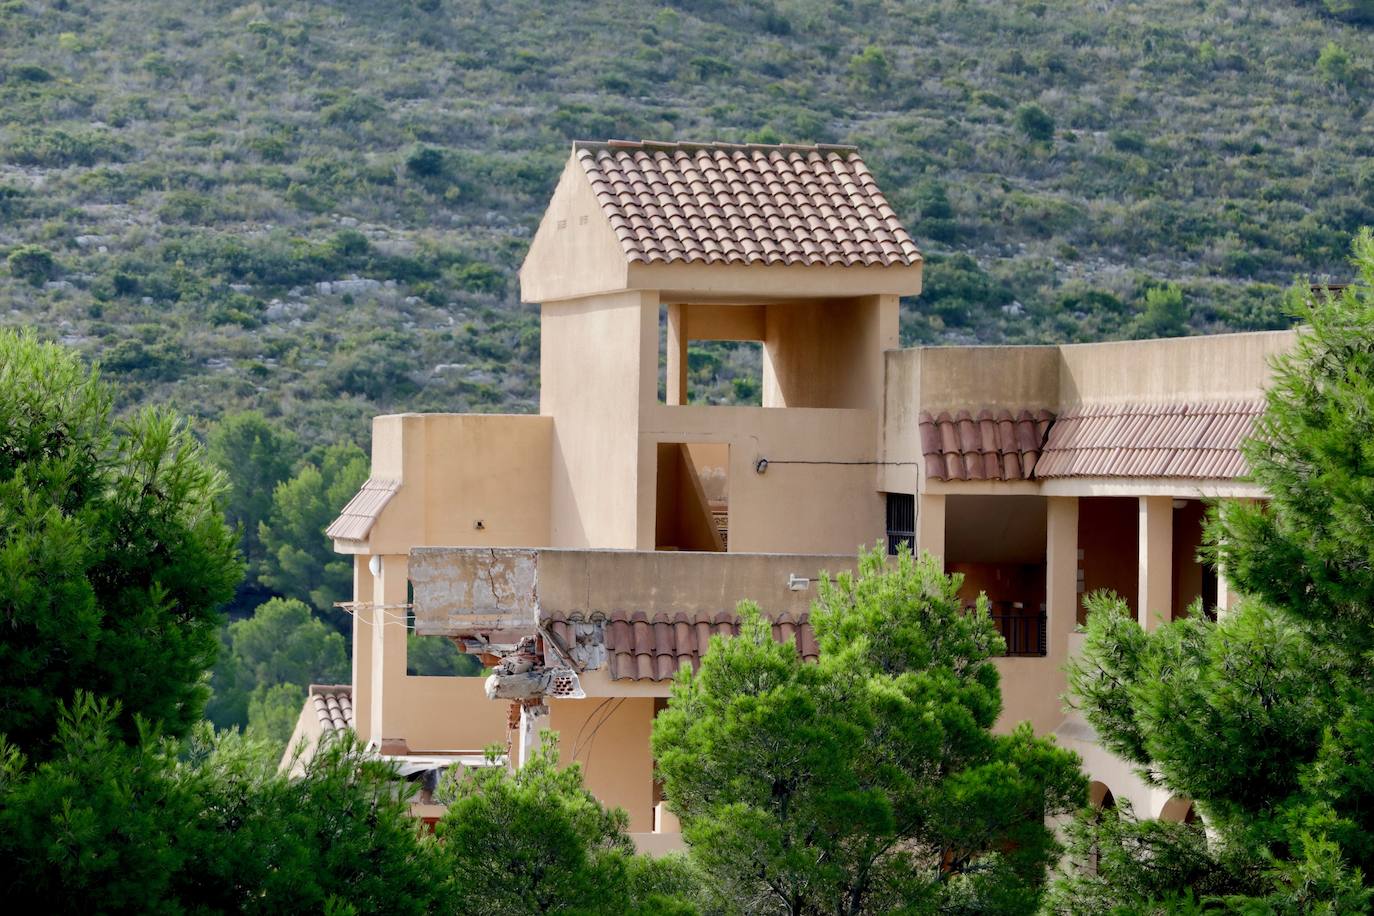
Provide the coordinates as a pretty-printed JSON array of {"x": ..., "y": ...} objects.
[
  {"x": 1262, "y": 718},
  {"x": 1164, "y": 314},
  {"x": 265, "y": 664},
  {"x": 255, "y": 456},
  {"x": 535, "y": 841},
  {"x": 208, "y": 826},
  {"x": 299, "y": 559},
  {"x": 428, "y": 656},
  {"x": 114, "y": 557},
  {"x": 284, "y": 643},
  {"x": 870, "y": 781}
]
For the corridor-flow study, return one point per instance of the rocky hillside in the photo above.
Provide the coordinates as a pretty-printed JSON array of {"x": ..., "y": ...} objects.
[{"x": 317, "y": 208}]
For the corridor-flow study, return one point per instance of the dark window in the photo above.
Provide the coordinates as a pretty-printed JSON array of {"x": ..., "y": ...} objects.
[{"x": 901, "y": 522}]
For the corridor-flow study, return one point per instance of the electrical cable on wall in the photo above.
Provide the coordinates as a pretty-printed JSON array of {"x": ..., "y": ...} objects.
[{"x": 764, "y": 463}]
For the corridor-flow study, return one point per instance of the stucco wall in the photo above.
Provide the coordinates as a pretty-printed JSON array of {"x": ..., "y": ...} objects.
[
  {"x": 457, "y": 470},
  {"x": 609, "y": 737},
  {"x": 427, "y": 713},
  {"x": 969, "y": 378},
  {"x": 575, "y": 251},
  {"x": 1212, "y": 368},
  {"x": 443, "y": 713},
  {"x": 790, "y": 508},
  {"x": 1215, "y": 367},
  {"x": 935, "y": 379},
  {"x": 305, "y": 738},
  {"x": 827, "y": 353},
  {"x": 598, "y": 363}
]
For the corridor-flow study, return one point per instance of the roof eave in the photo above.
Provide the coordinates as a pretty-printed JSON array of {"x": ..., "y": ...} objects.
[{"x": 796, "y": 281}]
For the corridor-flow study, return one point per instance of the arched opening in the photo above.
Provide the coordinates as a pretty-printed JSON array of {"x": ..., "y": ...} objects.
[
  {"x": 1101, "y": 799},
  {"x": 1179, "y": 810}
]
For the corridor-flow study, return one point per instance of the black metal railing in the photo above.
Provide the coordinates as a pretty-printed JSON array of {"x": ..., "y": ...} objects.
[{"x": 1022, "y": 628}]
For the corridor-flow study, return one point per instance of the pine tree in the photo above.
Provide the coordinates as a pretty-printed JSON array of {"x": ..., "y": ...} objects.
[
  {"x": 1266, "y": 718},
  {"x": 870, "y": 781},
  {"x": 299, "y": 560},
  {"x": 114, "y": 557}
]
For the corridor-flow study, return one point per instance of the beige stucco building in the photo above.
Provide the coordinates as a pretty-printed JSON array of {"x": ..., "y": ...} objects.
[{"x": 590, "y": 551}]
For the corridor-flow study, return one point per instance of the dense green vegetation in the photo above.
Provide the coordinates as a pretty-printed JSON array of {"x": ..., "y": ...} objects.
[
  {"x": 113, "y": 559},
  {"x": 116, "y": 797},
  {"x": 869, "y": 782},
  {"x": 184, "y": 186},
  {"x": 1265, "y": 719}
]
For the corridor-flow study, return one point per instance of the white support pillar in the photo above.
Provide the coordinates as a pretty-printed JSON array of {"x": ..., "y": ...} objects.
[
  {"x": 930, "y": 525},
  {"x": 1156, "y": 538},
  {"x": 533, "y": 720},
  {"x": 388, "y": 612},
  {"x": 1061, "y": 573},
  {"x": 676, "y": 387},
  {"x": 1227, "y": 596},
  {"x": 362, "y": 646}
]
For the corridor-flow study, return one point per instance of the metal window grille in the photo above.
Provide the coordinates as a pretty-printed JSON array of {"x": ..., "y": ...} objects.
[{"x": 901, "y": 522}]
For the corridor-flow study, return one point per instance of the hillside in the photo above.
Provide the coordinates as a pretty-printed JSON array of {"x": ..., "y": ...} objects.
[{"x": 184, "y": 185}]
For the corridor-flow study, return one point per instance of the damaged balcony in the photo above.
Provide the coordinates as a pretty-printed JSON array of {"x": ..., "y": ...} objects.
[
  {"x": 604, "y": 615},
  {"x": 586, "y": 643}
]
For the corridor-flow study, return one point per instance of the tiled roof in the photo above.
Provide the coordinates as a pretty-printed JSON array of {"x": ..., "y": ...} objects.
[
  {"x": 356, "y": 519},
  {"x": 1178, "y": 439},
  {"x": 994, "y": 445},
  {"x": 745, "y": 204},
  {"x": 333, "y": 703},
  {"x": 653, "y": 649}
]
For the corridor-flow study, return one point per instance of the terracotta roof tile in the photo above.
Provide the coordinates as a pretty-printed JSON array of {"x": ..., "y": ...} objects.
[
  {"x": 333, "y": 703},
  {"x": 1176, "y": 439},
  {"x": 996, "y": 445},
  {"x": 640, "y": 647},
  {"x": 356, "y": 519},
  {"x": 722, "y": 203}
]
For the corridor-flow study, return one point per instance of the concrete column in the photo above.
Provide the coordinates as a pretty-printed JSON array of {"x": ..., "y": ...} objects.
[
  {"x": 677, "y": 354},
  {"x": 665, "y": 821},
  {"x": 1227, "y": 596},
  {"x": 389, "y": 641},
  {"x": 1061, "y": 573},
  {"x": 362, "y": 647},
  {"x": 533, "y": 720},
  {"x": 930, "y": 525},
  {"x": 1156, "y": 540}
]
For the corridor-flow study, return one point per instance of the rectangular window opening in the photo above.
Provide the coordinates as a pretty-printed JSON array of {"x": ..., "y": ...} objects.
[
  {"x": 999, "y": 545},
  {"x": 436, "y": 656},
  {"x": 901, "y": 522},
  {"x": 725, "y": 372},
  {"x": 692, "y": 508}
]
